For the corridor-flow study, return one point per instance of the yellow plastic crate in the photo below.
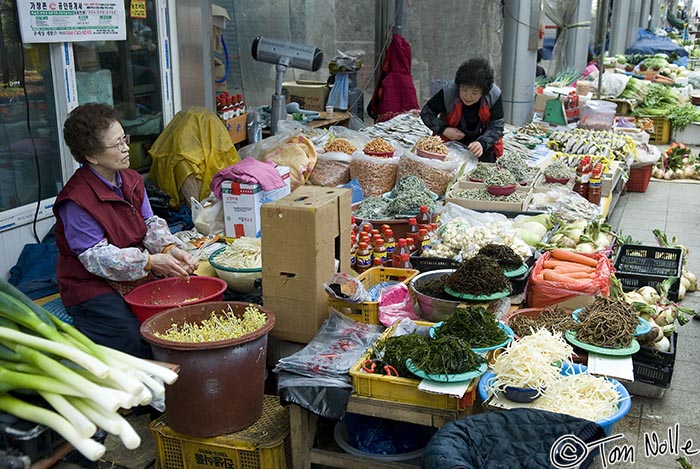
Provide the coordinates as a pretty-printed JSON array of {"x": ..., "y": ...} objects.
[
  {"x": 263, "y": 445},
  {"x": 368, "y": 311},
  {"x": 662, "y": 129},
  {"x": 405, "y": 390}
]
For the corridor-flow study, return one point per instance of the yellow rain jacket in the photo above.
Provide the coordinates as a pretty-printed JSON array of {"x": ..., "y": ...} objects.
[{"x": 195, "y": 143}]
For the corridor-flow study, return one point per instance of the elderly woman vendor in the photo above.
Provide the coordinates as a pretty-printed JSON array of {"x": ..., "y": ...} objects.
[
  {"x": 108, "y": 239},
  {"x": 468, "y": 109}
]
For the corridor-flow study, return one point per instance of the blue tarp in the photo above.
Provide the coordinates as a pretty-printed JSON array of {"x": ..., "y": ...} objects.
[{"x": 649, "y": 44}]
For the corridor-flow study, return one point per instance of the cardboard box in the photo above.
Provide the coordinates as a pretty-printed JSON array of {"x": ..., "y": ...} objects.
[
  {"x": 541, "y": 101},
  {"x": 237, "y": 128},
  {"x": 304, "y": 235},
  {"x": 311, "y": 95},
  {"x": 489, "y": 206},
  {"x": 242, "y": 204}
]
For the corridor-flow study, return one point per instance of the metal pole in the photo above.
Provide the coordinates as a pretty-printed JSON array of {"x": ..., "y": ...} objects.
[
  {"x": 380, "y": 34},
  {"x": 518, "y": 62},
  {"x": 644, "y": 15},
  {"x": 601, "y": 29},
  {"x": 634, "y": 21},
  {"x": 618, "y": 29},
  {"x": 398, "y": 20},
  {"x": 580, "y": 37}
]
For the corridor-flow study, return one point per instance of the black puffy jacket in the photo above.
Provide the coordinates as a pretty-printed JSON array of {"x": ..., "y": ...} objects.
[{"x": 509, "y": 439}]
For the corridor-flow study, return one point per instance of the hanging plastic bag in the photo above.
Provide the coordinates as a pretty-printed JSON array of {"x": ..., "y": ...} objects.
[
  {"x": 208, "y": 215},
  {"x": 396, "y": 302}
]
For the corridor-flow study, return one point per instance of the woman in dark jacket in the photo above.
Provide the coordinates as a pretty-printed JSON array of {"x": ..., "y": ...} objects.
[{"x": 468, "y": 109}]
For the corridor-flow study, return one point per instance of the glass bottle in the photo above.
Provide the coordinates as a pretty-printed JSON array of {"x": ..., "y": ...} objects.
[
  {"x": 364, "y": 258},
  {"x": 379, "y": 250},
  {"x": 389, "y": 241},
  {"x": 405, "y": 261},
  {"x": 423, "y": 241},
  {"x": 411, "y": 245},
  {"x": 413, "y": 229},
  {"x": 423, "y": 218},
  {"x": 401, "y": 248},
  {"x": 594, "y": 185}
]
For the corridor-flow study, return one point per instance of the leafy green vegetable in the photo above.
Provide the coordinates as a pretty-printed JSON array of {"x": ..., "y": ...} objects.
[{"x": 681, "y": 117}]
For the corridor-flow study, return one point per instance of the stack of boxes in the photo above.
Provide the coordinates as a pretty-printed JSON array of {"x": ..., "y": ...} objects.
[{"x": 305, "y": 239}]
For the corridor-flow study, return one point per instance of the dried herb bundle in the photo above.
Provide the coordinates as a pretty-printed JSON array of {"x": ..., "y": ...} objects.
[
  {"x": 504, "y": 255},
  {"x": 445, "y": 356},
  {"x": 473, "y": 324},
  {"x": 554, "y": 319},
  {"x": 435, "y": 288},
  {"x": 479, "y": 275},
  {"x": 396, "y": 350},
  {"x": 607, "y": 323}
]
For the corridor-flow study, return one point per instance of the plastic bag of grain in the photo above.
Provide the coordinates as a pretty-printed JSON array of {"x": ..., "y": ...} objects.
[{"x": 375, "y": 174}]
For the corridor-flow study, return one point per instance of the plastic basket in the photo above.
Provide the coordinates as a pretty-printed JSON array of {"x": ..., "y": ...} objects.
[
  {"x": 651, "y": 356},
  {"x": 263, "y": 445},
  {"x": 402, "y": 389},
  {"x": 368, "y": 312},
  {"x": 653, "y": 260},
  {"x": 639, "y": 179},
  {"x": 650, "y": 374},
  {"x": 638, "y": 266},
  {"x": 30, "y": 439},
  {"x": 427, "y": 264},
  {"x": 662, "y": 129}
]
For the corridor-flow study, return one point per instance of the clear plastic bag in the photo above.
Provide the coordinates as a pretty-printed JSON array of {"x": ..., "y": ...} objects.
[
  {"x": 346, "y": 287},
  {"x": 437, "y": 175},
  {"x": 375, "y": 175},
  {"x": 339, "y": 343},
  {"x": 332, "y": 169}
]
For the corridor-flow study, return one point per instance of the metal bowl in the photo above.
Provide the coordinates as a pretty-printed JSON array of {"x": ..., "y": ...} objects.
[{"x": 432, "y": 309}]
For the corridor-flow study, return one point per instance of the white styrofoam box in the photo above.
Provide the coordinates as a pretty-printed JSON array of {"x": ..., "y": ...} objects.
[
  {"x": 689, "y": 136},
  {"x": 242, "y": 205}
]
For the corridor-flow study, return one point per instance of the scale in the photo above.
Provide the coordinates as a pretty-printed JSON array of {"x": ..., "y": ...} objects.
[{"x": 561, "y": 112}]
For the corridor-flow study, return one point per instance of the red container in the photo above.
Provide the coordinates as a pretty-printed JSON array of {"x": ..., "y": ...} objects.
[
  {"x": 639, "y": 179},
  {"x": 430, "y": 154},
  {"x": 556, "y": 180},
  {"x": 159, "y": 295},
  {"x": 501, "y": 190}
]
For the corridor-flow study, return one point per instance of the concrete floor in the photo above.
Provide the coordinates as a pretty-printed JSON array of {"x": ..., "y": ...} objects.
[{"x": 670, "y": 207}]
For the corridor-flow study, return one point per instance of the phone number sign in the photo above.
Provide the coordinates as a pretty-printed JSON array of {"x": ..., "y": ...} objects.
[{"x": 57, "y": 21}]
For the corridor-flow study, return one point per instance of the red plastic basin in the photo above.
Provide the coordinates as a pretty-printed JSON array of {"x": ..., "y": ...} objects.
[{"x": 159, "y": 295}]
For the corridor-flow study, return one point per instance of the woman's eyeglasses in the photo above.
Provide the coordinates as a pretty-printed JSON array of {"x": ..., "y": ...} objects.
[{"x": 123, "y": 142}]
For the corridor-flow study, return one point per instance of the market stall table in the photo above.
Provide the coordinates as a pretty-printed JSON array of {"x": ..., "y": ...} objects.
[{"x": 303, "y": 425}]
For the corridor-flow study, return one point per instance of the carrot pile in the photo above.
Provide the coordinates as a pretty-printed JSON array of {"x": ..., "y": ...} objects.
[{"x": 568, "y": 267}]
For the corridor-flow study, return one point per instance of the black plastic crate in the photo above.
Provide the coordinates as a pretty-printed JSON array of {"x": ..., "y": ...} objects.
[
  {"x": 427, "y": 264},
  {"x": 33, "y": 440},
  {"x": 634, "y": 281},
  {"x": 651, "y": 374},
  {"x": 649, "y": 260},
  {"x": 651, "y": 356}
]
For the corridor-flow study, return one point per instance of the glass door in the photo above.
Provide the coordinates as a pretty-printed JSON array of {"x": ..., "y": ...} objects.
[
  {"x": 30, "y": 157},
  {"x": 126, "y": 75}
]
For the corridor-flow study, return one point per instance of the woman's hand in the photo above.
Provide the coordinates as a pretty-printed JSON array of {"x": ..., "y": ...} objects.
[
  {"x": 186, "y": 260},
  {"x": 453, "y": 133},
  {"x": 176, "y": 262},
  {"x": 476, "y": 148}
]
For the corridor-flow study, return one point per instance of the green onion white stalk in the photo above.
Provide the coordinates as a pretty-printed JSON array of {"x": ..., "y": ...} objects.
[{"x": 83, "y": 384}]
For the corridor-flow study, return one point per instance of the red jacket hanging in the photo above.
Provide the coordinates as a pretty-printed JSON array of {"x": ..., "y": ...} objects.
[{"x": 395, "y": 92}]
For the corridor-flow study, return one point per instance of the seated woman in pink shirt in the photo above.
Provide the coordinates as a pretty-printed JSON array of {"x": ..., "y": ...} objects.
[{"x": 108, "y": 238}]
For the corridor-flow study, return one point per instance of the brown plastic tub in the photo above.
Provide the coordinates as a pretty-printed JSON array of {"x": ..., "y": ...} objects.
[{"x": 220, "y": 387}]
